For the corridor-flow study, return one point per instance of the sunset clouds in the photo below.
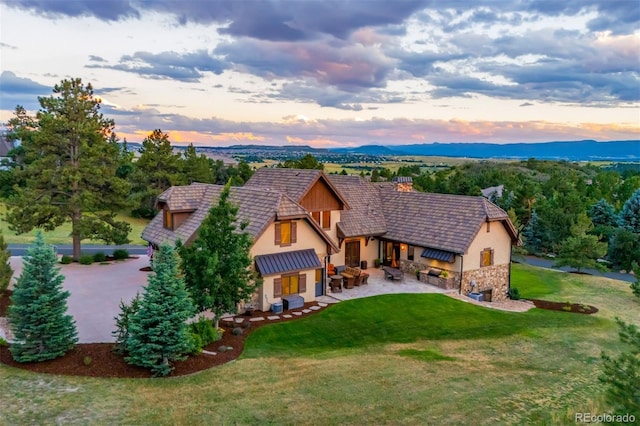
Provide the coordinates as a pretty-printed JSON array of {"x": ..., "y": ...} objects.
[{"x": 228, "y": 72}]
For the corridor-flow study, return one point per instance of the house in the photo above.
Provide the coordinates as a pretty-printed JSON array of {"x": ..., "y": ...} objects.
[{"x": 302, "y": 220}]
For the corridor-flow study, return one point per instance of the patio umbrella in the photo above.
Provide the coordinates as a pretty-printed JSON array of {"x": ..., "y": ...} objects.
[{"x": 394, "y": 262}]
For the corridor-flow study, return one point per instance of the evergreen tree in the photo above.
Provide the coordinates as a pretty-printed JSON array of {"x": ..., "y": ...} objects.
[
  {"x": 5, "y": 267},
  {"x": 604, "y": 219},
  {"x": 69, "y": 169},
  {"x": 196, "y": 168},
  {"x": 581, "y": 250},
  {"x": 624, "y": 248},
  {"x": 38, "y": 310},
  {"x": 158, "y": 332},
  {"x": 635, "y": 287},
  {"x": 622, "y": 375},
  {"x": 156, "y": 170},
  {"x": 217, "y": 266},
  {"x": 121, "y": 334},
  {"x": 532, "y": 234},
  {"x": 630, "y": 215}
]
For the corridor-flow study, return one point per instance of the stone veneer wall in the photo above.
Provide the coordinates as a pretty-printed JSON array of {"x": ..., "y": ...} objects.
[
  {"x": 494, "y": 277},
  {"x": 451, "y": 282}
]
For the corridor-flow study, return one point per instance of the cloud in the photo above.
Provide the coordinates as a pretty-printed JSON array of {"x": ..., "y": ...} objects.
[
  {"x": 16, "y": 90},
  {"x": 186, "y": 67},
  {"x": 95, "y": 58},
  {"x": 107, "y": 10}
]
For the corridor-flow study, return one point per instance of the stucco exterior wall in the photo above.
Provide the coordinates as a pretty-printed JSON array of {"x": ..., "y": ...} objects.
[
  {"x": 306, "y": 238},
  {"x": 497, "y": 239},
  {"x": 368, "y": 252}
]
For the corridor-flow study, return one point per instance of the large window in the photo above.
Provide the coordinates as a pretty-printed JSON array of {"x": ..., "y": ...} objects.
[
  {"x": 486, "y": 257},
  {"x": 290, "y": 285},
  {"x": 285, "y": 233}
]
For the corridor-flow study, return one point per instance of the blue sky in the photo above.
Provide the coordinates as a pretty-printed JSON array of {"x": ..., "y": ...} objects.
[{"x": 335, "y": 73}]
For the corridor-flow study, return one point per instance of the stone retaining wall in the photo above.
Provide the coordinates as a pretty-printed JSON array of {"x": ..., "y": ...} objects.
[{"x": 494, "y": 278}]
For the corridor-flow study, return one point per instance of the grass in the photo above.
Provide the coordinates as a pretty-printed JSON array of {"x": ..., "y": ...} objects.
[
  {"x": 398, "y": 359},
  {"x": 62, "y": 234}
]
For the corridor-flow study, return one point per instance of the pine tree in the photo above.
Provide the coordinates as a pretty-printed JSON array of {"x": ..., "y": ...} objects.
[
  {"x": 121, "y": 334},
  {"x": 622, "y": 375},
  {"x": 5, "y": 267},
  {"x": 630, "y": 214},
  {"x": 217, "y": 266},
  {"x": 38, "y": 310},
  {"x": 532, "y": 234},
  {"x": 69, "y": 169},
  {"x": 604, "y": 219},
  {"x": 158, "y": 332},
  {"x": 581, "y": 250},
  {"x": 196, "y": 168},
  {"x": 624, "y": 248}
]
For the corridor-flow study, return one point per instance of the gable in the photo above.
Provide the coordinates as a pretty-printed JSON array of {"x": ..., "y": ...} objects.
[{"x": 321, "y": 197}]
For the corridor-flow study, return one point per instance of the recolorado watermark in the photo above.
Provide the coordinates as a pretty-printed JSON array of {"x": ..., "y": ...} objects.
[{"x": 604, "y": 418}]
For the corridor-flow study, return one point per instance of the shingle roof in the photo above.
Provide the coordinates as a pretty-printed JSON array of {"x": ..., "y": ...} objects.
[
  {"x": 256, "y": 206},
  {"x": 442, "y": 221},
  {"x": 290, "y": 261},
  {"x": 365, "y": 216},
  {"x": 293, "y": 182}
]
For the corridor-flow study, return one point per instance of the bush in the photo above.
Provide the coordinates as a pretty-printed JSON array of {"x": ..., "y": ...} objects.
[
  {"x": 120, "y": 254},
  {"x": 86, "y": 259},
  {"x": 3, "y": 342},
  {"x": 99, "y": 257},
  {"x": 514, "y": 294},
  {"x": 206, "y": 332},
  {"x": 197, "y": 344},
  {"x": 65, "y": 259},
  {"x": 237, "y": 331},
  {"x": 87, "y": 360},
  {"x": 144, "y": 213}
]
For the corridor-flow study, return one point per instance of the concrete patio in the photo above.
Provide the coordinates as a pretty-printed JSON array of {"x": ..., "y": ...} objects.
[{"x": 377, "y": 285}]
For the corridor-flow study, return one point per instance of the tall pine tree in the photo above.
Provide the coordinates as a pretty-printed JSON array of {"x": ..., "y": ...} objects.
[
  {"x": 217, "y": 266},
  {"x": 70, "y": 168},
  {"x": 158, "y": 334},
  {"x": 630, "y": 214},
  {"x": 38, "y": 310}
]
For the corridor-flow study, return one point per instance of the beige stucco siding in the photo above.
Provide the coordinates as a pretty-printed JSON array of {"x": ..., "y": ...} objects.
[
  {"x": 497, "y": 239},
  {"x": 306, "y": 238},
  {"x": 367, "y": 252}
]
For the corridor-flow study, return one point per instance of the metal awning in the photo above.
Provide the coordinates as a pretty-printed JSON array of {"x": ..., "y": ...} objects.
[
  {"x": 445, "y": 256},
  {"x": 290, "y": 261}
]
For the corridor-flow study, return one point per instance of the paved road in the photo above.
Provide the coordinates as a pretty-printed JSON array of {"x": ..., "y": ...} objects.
[
  {"x": 21, "y": 249},
  {"x": 548, "y": 263}
]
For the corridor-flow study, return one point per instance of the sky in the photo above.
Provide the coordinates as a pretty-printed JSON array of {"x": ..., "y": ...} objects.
[{"x": 335, "y": 73}]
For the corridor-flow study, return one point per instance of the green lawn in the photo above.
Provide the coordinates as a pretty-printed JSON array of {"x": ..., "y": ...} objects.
[
  {"x": 397, "y": 359},
  {"x": 61, "y": 235}
]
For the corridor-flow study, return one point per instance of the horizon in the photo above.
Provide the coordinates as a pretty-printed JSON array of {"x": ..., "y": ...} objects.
[{"x": 290, "y": 73}]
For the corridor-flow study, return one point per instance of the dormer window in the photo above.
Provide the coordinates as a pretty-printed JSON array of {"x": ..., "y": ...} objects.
[{"x": 167, "y": 219}]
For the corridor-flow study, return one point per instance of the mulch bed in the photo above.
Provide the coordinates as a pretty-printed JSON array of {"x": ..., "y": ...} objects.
[
  {"x": 576, "y": 308},
  {"x": 105, "y": 363}
]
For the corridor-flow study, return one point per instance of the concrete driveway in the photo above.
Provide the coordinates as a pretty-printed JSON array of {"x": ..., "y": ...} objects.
[{"x": 96, "y": 291}]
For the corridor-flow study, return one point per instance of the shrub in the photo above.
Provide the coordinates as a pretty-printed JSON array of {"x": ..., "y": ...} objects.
[
  {"x": 237, "y": 331},
  {"x": 205, "y": 330},
  {"x": 86, "y": 259},
  {"x": 197, "y": 344},
  {"x": 65, "y": 259},
  {"x": 99, "y": 257},
  {"x": 514, "y": 294},
  {"x": 246, "y": 324},
  {"x": 120, "y": 254},
  {"x": 87, "y": 360},
  {"x": 3, "y": 342}
]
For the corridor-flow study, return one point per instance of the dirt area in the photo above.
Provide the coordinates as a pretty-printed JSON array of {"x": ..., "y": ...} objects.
[
  {"x": 576, "y": 308},
  {"x": 98, "y": 360}
]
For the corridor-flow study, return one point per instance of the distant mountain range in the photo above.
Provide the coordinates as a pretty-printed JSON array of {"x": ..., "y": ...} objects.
[{"x": 587, "y": 150}]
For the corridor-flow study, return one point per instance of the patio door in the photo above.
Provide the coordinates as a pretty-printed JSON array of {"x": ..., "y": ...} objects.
[
  {"x": 391, "y": 254},
  {"x": 352, "y": 254}
]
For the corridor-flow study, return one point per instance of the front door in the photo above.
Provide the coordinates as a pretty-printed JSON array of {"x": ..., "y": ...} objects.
[{"x": 352, "y": 254}]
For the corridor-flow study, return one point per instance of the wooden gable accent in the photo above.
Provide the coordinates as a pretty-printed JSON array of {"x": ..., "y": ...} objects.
[{"x": 321, "y": 197}]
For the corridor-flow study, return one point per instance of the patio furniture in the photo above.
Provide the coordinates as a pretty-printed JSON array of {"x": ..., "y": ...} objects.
[
  {"x": 336, "y": 283},
  {"x": 365, "y": 278},
  {"x": 351, "y": 276},
  {"x": 392, "y": 273}
]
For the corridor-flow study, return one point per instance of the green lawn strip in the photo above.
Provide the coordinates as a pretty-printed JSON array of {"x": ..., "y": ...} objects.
[
  {"x": 61, "y": 235},
  {"x": 535, "y": 283},
  {"x": 401, "y": 318}
]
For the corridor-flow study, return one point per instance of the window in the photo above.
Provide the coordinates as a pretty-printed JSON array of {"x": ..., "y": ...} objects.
[
  {"x": 410, "y": 253},
  {"x": 168, "y": 219},
  {"x": 318, "y": 275},
  {"x": 316, "y": 217},
  {"x": 326, "y": 219},
  {"x": 285, "y": 233},
  {"x": 289, "y": 284},
  {"x": 486, "y": 257}
]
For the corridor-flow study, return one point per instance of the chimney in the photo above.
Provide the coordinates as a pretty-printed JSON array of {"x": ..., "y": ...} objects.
[{"x": 403, "y": 184}]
